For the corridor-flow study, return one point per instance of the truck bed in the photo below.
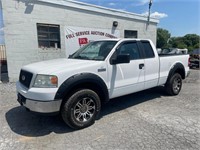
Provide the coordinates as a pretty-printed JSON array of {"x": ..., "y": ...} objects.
[{"x": 167, "y": 62}]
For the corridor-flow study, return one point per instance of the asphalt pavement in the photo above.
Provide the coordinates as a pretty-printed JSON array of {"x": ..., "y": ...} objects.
[{"x": 148, "y": 120}]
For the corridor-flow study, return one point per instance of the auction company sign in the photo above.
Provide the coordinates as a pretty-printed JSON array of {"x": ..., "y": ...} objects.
[{"x": 77, "y": 37}]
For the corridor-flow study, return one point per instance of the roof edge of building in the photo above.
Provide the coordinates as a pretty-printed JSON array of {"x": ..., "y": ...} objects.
[{"x": 100, "y": 9}]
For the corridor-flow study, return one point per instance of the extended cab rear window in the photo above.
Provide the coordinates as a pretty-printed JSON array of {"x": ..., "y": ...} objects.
[{"x": 148, "y": 51}]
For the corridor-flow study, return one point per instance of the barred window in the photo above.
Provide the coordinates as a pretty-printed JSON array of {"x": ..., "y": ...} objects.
[
  {"x": 130, "y": 34},
  {"x": 48, "y": 35}
]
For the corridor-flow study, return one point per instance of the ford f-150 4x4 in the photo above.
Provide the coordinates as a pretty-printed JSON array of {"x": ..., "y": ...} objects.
[{"x": 76, "y": 87}]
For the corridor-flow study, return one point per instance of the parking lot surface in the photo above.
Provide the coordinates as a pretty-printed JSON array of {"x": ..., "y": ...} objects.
[{"x": 146, "y": 120}]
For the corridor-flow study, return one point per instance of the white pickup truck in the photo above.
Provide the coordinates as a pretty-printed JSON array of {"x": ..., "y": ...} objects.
[{"x": 76, "y": 87}]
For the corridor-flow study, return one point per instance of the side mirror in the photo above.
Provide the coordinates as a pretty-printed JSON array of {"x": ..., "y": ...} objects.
[{"x": 121, "y": 58}]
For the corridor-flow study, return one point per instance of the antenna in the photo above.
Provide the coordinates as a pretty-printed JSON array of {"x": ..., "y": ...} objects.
[{"x": 150, "y": 4}]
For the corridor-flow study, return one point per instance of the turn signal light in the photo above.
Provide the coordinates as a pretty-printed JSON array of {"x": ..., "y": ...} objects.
[{"x": 54, "y": 80}]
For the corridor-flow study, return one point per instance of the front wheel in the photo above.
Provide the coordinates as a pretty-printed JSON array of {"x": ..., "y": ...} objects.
[
  {"x": 174, "y": 84},
  {"x": 81, "y": 109}
]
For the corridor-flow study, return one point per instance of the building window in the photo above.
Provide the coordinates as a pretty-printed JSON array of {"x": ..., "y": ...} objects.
[
  {"x": 48, "y": 35},
  {"x": 130, "y": 34}
]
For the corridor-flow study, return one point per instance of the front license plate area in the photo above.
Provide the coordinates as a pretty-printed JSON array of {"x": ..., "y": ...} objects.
[{"x": 21, "y": 99}]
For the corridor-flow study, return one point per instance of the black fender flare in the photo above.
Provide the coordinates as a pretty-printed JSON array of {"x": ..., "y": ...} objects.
[
  {"x": 176, "y": 68},
  {"x": 83, "y": 80}
]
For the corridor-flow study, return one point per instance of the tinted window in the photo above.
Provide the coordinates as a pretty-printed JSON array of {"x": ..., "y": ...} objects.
[
  {"x": 130, "y": 48},
  {"x": 148, "y": 50}
]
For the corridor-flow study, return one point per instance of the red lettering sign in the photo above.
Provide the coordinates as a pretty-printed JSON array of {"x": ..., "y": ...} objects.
[{"x": 82, "y": 41}]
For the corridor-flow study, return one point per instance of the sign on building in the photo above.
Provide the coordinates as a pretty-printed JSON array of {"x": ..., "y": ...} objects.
[{"x": 76, "y": 37}]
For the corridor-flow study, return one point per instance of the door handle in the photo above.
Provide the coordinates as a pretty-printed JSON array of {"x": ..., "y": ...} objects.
[{"x": 141, "y": 66}]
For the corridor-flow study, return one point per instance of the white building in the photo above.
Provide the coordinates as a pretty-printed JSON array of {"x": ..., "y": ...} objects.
[{"x": 36, "y": 30}]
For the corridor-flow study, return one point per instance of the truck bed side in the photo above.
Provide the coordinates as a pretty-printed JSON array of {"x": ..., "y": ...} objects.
[{"x": 167, "y": 63}]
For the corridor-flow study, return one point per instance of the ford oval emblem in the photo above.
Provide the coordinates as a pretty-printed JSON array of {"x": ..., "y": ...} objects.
[{"x": 23, "y": 78}]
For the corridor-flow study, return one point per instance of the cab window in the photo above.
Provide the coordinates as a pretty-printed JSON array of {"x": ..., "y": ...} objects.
[{"x": 130, "y": 48}]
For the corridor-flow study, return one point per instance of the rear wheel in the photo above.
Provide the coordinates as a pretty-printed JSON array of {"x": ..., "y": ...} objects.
[
  {"x": 81, "y": 109},
  {"x": 174, "y": 84}
]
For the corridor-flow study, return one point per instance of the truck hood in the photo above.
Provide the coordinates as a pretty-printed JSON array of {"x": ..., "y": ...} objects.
[{"x": 60, "y": 65}]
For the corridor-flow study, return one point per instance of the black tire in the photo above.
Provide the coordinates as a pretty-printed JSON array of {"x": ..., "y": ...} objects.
[
  {"x": 174, "y": 84},
  {"x": 81, "y": 109}
]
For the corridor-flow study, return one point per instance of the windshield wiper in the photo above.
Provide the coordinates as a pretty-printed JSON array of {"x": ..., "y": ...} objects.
[{"x": 81, "y": 57}]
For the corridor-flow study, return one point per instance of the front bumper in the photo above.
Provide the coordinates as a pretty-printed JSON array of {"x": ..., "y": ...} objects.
[
  {"x": 40, "y": 106},
  {"x": 38, "y": 100}
]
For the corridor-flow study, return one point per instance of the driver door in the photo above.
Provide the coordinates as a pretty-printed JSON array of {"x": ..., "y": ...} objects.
[{"x": 126, "y": 78}]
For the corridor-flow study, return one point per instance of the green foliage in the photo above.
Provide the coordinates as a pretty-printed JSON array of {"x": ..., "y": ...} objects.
[
  {"x": 189, "y": 41},
  {"x": 196, "y": 46},
  {"x": 162, "y": 37},
  {"x": 182, "y": 45}
]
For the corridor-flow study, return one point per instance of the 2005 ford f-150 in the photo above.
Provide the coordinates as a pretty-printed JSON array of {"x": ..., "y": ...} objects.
[{"x": 76, "y": 87}]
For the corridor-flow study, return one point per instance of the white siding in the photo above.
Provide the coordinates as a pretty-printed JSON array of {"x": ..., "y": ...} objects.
[{"x": 20, "y": 19}]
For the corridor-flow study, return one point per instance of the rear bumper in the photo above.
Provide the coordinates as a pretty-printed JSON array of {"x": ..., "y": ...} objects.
[{"x": 187, "y": 74}]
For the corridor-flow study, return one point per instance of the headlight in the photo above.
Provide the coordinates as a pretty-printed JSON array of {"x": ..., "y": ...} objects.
[{"x": 46, "y": 81}]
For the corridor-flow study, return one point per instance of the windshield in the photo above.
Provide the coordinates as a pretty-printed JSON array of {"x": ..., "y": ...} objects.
[{"x": 97, "y": 50}]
